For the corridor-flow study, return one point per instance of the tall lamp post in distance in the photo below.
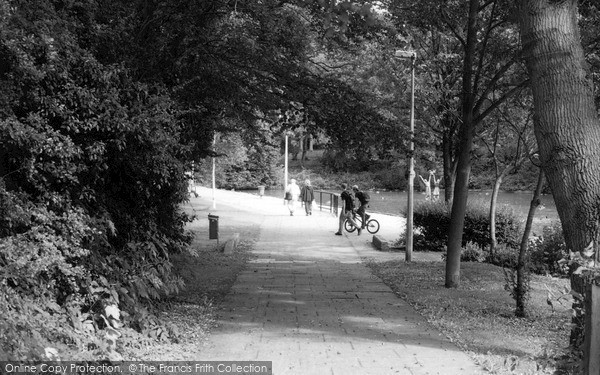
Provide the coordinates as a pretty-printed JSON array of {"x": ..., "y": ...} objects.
[
  {"x": 214, "y": 168},
  {"x": 285, "y": 172},
  {"x": 412, "y": 55}
]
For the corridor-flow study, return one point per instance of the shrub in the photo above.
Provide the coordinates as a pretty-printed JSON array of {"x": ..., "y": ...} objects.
[
  {"x": 547, "y": 250},
  {"x": 91, "y": 181},
  {"x": 392, "y": 178},
  {"x": 477, "y": 224},
  {"x": 471, "y": 252},
  {"x": 504, "y": 256},
  {"x": 432, "y": 221}
]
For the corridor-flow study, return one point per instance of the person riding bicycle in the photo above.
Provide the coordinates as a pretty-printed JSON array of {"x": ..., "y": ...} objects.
[{"x": 363, "y": 198}]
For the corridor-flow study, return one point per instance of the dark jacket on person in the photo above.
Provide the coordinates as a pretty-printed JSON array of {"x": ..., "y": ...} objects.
[
  {"x": 307, "y": 194},
  {"x": 348, "y": 198},
  {"x": 362, "y": 197}
]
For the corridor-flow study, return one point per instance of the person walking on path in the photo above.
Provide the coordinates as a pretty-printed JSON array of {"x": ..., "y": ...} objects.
[
  {"x": 364, "y": 199},
  {"x": 346, "y": 210},
  {"x": 292, "y": 193},
  {"x": 427, "y": 187},
  {"x": 307, "y": 196}
]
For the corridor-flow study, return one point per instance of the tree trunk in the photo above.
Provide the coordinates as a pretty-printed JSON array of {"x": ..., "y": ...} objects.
[
  {"x": 566, "y": 123},
  {"x": 493, "y": 205},
  {"x": 521, "y": 288},
  {"x": 463, "y": 170},
  {"x": 449, "y": 162}
]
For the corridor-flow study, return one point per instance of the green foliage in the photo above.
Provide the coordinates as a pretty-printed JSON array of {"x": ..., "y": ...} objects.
[
  {"x": 431, "y": 223},
  {"x": 372, "y": 171},
  {"x": 244, "y": 161},
  {"x": 471, "y": 252},
  {"x": 583, "y": 271},
  {"x": 91, "y": 177},
  {"x": 504, "y": 256},
  {"x": 432, "y": 220},
  {"x": 392, "y": 178},
  {"x": 547, "y": 251}
]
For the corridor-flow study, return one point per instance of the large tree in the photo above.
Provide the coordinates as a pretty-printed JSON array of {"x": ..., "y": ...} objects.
[
  {"x": 566, "y": 120},
  {"x": 566, "y": 125}
]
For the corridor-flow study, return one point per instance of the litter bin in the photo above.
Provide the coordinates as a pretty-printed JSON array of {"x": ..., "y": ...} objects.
[
  {"x": 213, "y": 227},
  {"x": 261, "y": 190}
]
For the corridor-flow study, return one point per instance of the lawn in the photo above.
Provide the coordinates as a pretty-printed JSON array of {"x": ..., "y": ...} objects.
[{"x": 479, "y": 315}]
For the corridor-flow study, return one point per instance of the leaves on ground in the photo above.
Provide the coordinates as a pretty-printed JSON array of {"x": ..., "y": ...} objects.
[
  {"x": 209, "y": 274},
  {"x": 479, "y": 314}
]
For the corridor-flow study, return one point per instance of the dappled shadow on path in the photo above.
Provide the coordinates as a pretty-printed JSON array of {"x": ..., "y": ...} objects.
[
  {"x": 308, "y": 303},
  {"x": 306, "y": 298}
]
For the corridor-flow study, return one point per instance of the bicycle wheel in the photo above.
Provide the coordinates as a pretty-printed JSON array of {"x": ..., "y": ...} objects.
[
  {"x": 349, "y": 227},
  {"x": 373, "y": 226}
]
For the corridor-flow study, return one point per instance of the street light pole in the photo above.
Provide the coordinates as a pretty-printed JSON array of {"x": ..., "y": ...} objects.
[
  {"x": 285, "y": 173},
  {"x": 411, "y": 159},
  {"x": 214, "y": 168}
]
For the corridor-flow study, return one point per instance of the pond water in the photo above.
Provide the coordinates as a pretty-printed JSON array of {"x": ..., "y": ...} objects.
[{"x": 394, "y": 203}]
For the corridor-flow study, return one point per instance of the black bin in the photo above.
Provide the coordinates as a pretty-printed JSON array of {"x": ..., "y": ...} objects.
[{"x": 213, "y": 227}]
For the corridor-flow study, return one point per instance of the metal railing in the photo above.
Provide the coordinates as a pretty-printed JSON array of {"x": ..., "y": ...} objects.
[{"x": 328, "y": 200}]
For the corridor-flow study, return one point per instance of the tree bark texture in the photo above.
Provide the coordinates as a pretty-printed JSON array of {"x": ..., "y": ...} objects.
[
  {"x": 566, "y": 123},
  {"x": 493, "y": 209},
  {"x": 521, "y": 288},
  {"x": 463, "y": 169},
  {"x": 449, "y": 164}
]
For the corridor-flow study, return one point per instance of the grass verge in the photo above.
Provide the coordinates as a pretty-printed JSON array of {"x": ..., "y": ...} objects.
[{"x": 479, "y": 315}]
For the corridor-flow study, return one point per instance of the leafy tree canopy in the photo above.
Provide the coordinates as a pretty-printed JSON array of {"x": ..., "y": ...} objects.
[{"x": 105, "y": 104}]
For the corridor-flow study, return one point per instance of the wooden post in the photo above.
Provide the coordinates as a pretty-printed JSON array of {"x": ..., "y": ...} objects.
[{"x": 591, "y": 355}]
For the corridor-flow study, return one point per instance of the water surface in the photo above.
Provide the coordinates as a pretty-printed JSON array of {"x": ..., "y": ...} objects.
[{"x": 394, "y": 203}]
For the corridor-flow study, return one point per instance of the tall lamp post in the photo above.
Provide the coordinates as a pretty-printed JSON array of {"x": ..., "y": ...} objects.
[
  {"x": 214, "y": 168},
  {"x": 285, "y": 172},
  {"x": 411, "y": 158}
]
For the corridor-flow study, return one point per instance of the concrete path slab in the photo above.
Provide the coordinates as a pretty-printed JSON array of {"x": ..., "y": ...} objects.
[{"x": 308, "y": 303}]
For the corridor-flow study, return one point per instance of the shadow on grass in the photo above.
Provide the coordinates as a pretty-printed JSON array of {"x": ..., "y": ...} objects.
[{"x": 479, "y": 314}]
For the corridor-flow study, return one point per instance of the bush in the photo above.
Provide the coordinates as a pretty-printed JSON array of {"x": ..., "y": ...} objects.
[
  {"x": 547, "y": 250},
  {"x": 392, "y": 177},
  {"x": 471, "y": 252},
  {"x": 504, "y": 256},
  {"x": 432, "y": 221},
  {"x": 91, "y": 181}
]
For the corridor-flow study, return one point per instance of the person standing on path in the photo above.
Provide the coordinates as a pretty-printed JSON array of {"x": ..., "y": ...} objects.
[
  {"x": 292, "y": 193},
  {"x": 346, "y": 210},
  {"x": 307, "y": 196},
  {"x": 364, "y": 199}
]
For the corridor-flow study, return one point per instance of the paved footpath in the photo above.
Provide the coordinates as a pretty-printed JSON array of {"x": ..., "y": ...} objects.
[{"x": 307, "y": 303}]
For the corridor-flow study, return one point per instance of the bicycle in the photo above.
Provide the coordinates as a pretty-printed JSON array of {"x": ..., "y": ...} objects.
[{"x": 372, "y": 224}]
